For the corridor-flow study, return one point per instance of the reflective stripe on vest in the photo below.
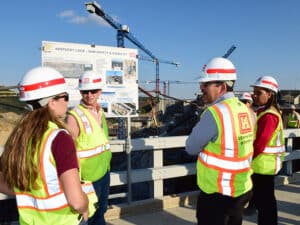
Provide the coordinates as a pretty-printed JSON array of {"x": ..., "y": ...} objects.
[
  {"x": 278, "y": 150},
  {"x": 229, "y": 147},
  {"x": 226, "y": 179},
  {"x": 86, "y": 123},
  {"x": 55, "y": 197},
  {"x": 224, "y": 164},
  {"x": 278, "y": 164},
  {"x": 54, "y": 202},
  {"x": 91, "y": 152},
  {"x": 274, "y": 150},
  {"x": 229, "y": 139}
]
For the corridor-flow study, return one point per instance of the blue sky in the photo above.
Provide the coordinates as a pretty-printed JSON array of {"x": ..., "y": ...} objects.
[{"x": 265, "y": 32}]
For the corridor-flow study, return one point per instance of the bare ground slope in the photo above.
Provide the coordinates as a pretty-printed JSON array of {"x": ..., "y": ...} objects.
[{"x": 10, "y": 112}]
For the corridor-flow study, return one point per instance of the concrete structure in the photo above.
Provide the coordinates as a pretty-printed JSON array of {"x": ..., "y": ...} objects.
[{"x": 288, "y": 200}]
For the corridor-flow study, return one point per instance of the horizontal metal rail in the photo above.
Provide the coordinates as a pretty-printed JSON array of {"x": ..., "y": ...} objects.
[
  {"x": 164, "y": 172},
  {"x": 159, "y": 172}
]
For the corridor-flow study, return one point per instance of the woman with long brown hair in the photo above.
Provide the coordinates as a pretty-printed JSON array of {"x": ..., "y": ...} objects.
[
  {"x": 39, "y": 161},
  {"x": 268, "y": 149}
]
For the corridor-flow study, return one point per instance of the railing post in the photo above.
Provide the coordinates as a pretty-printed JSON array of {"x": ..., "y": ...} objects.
[
  {"x": 158, "y": 163},
  {"x": 128, "y": 147}
]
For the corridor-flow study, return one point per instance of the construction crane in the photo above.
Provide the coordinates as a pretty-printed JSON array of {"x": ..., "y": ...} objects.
[
  {"x": 166, "y": 84},
  {"x": 229, "y": 51},
  {"x": 123, "y": 32}
]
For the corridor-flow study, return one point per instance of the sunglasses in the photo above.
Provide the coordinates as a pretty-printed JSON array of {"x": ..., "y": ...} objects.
[
  {"x": 85, "y": 92},
  {"x": 65, "y": 97}
]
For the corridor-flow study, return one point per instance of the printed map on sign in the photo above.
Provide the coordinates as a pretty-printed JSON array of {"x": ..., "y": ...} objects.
[{"x": 117, "y": 67}]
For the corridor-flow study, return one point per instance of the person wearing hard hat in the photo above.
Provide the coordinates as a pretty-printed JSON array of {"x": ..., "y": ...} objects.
[
  {"x": 223, "y": 141},
  {"x": 269, "y": 149},
  {"x": 246, "y": 98},
  {"x": 293, "y": 118},
  {"x": 88, "y": 124},
  {"x": 39, "y": 161}
]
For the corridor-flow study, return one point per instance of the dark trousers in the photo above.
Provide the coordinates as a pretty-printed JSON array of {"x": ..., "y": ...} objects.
[
  {"x": 101, "y": 187},
  {"x": 264, "y": 199},
  {"x": 217, "y": 209}
]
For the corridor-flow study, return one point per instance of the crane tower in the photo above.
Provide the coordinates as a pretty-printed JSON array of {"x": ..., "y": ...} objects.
[{"x": 123, "y": 32}]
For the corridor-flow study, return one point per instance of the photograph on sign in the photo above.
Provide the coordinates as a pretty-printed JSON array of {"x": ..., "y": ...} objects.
[{"x": 117, "y": 67}]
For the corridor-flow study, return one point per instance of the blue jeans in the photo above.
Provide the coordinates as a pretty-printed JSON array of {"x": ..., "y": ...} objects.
[{"x": 101, "y": 187}]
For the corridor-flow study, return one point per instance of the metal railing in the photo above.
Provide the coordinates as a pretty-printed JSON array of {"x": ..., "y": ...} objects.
[{"x": 159, "y": 172}]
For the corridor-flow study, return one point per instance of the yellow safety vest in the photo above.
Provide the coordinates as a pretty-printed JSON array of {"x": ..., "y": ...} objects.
[
  {"x": 269, "y": 162},
  {"x": 223, "y": 165},
  {"x": 47, "y": 205},
  {"x": 92, "y": 145},
  {"x": 292, "y": 121}
]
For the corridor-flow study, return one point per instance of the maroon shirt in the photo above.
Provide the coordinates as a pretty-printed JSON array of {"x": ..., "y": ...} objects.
[
  {"x": 266, "y": 126},
  {"x": 64, "y": 152}
]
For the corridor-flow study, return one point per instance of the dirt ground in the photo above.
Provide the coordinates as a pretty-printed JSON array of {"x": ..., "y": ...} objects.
[
  {"x": 10, "y": 112},
  {"x": 8, "y": 121}
]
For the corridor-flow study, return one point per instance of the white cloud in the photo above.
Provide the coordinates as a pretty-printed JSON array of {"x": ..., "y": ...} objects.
[
  {"x": 71, "y": 17},
  {"x": 66, "y": 13},
  {"x": 78, "y": 20}
]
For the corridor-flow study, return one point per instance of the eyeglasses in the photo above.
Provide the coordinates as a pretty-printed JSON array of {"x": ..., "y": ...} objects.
[
  {"x": 65, "y": 97},
  {"x": 85, "y": 92}
]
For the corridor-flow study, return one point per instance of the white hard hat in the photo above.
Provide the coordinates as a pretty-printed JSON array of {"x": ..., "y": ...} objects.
[
  {"x": 293, "y": 107},
  {"x": 41, "y": 82},
  {"x": 218, "y": 69},
  {"x": 267, "y": 82},
  {"x": 246, "y": 96},
  {"x": 90, "y": 81}
]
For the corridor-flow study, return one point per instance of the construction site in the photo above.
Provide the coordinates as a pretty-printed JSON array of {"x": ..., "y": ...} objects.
[
  {"x": 155, "y": 123},
  {"x": 147, "y": 127}
]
